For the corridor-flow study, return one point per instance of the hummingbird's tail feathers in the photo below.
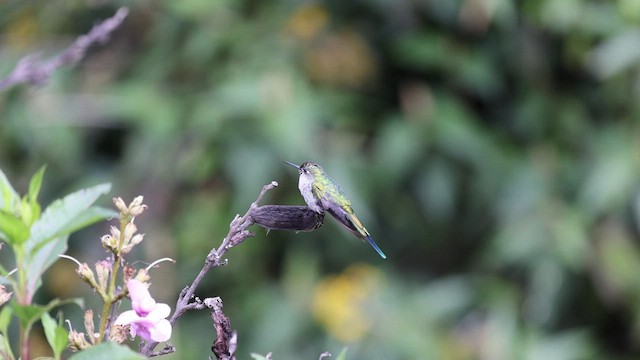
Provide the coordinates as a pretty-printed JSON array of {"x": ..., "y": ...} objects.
[
  {"x": 356, "y": 225},
  {"x": 351, "y": 222},
  {"x": 375, "y": 246}
]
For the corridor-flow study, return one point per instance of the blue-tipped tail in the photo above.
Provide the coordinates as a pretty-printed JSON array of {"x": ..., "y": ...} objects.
[{"x": 373, "y": 244}]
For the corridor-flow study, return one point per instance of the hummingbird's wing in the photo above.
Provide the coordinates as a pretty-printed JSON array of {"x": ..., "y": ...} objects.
[
  {"x": 349, "y": 219},
  {"x": 333, "y": 200}
]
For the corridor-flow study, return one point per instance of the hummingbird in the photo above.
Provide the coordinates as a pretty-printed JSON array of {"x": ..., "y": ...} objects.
[{"x": 321, "y": 193}]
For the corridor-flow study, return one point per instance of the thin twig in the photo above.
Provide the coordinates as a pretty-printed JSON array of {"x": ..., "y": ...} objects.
[
  {"x": 168, "y": 349},
  {"x": 237, "y": 233},
  {"x": 36, "y": 72}
]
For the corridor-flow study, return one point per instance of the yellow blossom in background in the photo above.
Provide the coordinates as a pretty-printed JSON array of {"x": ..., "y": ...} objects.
[
  {"x": 335, "y": 57},
  {"x": 21, "y": 32},
  {"x": 308, "y": 21},
  {"x": 341, "y": 59},
  {"x": 340, "y": 302}
]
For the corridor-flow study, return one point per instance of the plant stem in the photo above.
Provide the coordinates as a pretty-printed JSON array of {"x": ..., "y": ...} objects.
[
  {"x": 23, "y": 298},
  {"x": 22, "y": 292},
  {"x": 24, "y": 344},
  {"x": 110, "y": 297}
]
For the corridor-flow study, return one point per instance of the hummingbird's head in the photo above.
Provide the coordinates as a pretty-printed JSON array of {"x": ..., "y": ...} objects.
[{"x": 308, "y": 168}]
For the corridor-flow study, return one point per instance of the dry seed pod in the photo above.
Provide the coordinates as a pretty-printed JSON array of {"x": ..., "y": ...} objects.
[{"x": 285, "y": 217}]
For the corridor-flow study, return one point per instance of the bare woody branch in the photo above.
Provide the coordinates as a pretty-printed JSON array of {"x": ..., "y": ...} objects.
[
  {"x": 36, "y": 72},
  {"x": 272, "y": 217},
  {"x": 237, "y": 233}
]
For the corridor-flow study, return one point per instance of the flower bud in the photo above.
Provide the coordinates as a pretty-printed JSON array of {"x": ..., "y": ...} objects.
[
  {"x": 77, "y": 341},
  {"x": 109, "y": 243},
  {"x": 89, "y": 326},
  {"x": 85, "y": 273},
  {"x": 115, "y": 233},
  {"x": 137, "y": 201},
  {"x": 129, "y": 230},
  {"x": 103, "y": 269},
  {"x": 136, "y": 239},
  {"x": 137, "y": 207},
  {"x": 137, "y": 210},
  {"x": 126, "y": 249},
  {"x": 120, "y": 204}
]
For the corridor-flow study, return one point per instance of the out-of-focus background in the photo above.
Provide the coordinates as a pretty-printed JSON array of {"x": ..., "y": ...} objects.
[{"x": 491, "y": 147}]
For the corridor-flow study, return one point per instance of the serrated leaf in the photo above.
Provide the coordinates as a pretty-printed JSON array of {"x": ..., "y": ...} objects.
[
  {"x": 107, "y": 351},
  {"x": 56, "y": 335},
  {"x": 62, "y": 213},
  {"x": 8, "y": 196},
  {"x": 12, "y": 229},
  {"x": 90, "y": 216},
  {"x": 45, "y": 256},
  {"x": 49, "y": 234},
  {"x": 41, "y": 259}
]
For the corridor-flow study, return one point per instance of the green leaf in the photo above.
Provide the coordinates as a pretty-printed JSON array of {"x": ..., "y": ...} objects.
[
  {"x": 35, "y": 184},
  {"x": 28, "y": 314},
  {"x": 41, "y": 259},
  {"x": 12, "y": 229},
  {"x": 5, "y": 319},
  {"x": 56, "y": 335},
  {"x": 32, "y": 196},
  {"x": 90, "y": 216},
  {"x": 59, "y": 218},
  {"x": 8, "y": 196},
  {"x": 29, "y": 212},
  {"x": 107, "y": 351},
  {"x": 49, "y": 234},
  {"x": 5, "y": 349}
]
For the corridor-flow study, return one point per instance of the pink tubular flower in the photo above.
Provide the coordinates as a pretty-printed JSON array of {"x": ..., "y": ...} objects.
[{"x": 148, "y": 318}]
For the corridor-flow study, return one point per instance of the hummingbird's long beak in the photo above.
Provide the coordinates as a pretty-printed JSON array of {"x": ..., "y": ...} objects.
[{"x": 292, "y": 164}]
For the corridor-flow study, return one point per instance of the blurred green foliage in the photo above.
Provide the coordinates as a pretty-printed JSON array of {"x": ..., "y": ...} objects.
[{"x": 491, "y": 148}]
